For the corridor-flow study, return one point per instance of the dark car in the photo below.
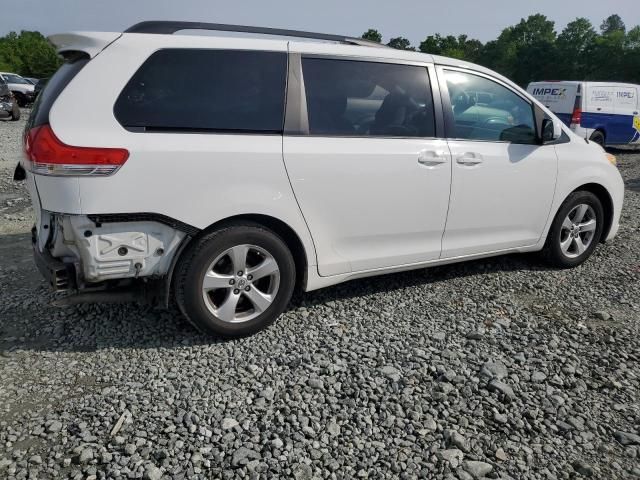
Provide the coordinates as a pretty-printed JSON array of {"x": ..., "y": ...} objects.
[{"x": 8, "y": 105}]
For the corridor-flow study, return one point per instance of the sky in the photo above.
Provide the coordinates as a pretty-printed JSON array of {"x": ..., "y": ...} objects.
[{"x": 414, "y": 19}]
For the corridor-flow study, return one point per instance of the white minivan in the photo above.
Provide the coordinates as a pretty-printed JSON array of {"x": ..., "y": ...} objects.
[
  {"x": 300, "y": 159},
  {"x": 604, "y": 112}
]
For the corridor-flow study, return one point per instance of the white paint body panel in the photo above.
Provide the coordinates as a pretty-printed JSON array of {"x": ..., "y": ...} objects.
[
  {"x": 603, "y": 97},
  {"x": 557, "y": 96},
  {"x": 581, "y": 163},
  {"x": 368, "y": 202},
  {"x": 91, "y": 43},
  {"x": 198, "y": 179},
  {"x": 369, "y": 207},
  {"x": 59, "y": 194},
  {"x": 502, "y": 202}
]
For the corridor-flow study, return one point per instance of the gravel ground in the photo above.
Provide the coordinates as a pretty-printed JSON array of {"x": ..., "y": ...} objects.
[
  {"x": 498, "y": 368},
  {"x": 15, "y": 207}
]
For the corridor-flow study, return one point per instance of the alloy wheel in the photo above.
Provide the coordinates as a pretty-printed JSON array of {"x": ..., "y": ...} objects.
[
  {"x": 241, "y": 283},
  {"x": 578, "y": 230}
]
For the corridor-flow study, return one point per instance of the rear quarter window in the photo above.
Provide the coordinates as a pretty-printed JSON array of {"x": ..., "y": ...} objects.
[{"x": 206, "y": 90}]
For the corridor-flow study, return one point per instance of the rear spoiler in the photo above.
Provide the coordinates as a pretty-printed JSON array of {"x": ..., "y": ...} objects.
[{"x": 91, "y": 43}]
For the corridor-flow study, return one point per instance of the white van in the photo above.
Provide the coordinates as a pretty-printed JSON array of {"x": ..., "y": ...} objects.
[
  {"x": 294, "y": 162},
  {"x": 604, "y": 112}
]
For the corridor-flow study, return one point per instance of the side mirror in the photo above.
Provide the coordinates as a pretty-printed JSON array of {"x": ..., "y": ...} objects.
[{"x": 549, "y": 129}]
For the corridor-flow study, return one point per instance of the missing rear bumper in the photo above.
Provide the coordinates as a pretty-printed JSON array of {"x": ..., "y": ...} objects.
[
  {"x": 61, "y": 276},
  {"x": 132, "y": 261},
  {"x": 140, "y": 291}
]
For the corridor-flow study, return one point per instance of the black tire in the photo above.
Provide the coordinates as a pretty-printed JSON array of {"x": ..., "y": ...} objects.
[
  {"x": 20, "y": 99},
  {"x": 552, "y": 251},
  {"x": 598, "y": 137},
  {"x": 15, "y": 113},
  {"x": 195, "y": 263}
]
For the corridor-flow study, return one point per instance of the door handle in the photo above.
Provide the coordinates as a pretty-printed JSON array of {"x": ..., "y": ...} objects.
[
  {"x": 469, "y": 159},
  {"x": 431, "y": 158}
]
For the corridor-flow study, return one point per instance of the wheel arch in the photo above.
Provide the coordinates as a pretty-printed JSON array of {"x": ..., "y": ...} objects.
[
  {"x": 605, "y": 199},
  {"x": 600, "y": 129},
  {"x": 285, "y": 231}
]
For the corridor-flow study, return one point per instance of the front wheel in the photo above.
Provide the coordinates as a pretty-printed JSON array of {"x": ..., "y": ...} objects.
[
  {"x": 235, "y": 281},
  {"x": 598, "y": 137},
  {"x": 575, "y": 231}
]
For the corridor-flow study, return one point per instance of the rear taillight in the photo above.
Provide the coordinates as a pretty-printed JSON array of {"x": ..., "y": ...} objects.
[
  {"x": 49, "y": 156},
  {"x": 576, "y": 116}
]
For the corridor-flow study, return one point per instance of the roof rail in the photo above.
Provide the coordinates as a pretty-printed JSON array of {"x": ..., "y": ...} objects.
[{"x": 169, "y": 27}]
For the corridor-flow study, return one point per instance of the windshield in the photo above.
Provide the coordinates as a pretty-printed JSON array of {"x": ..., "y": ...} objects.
[{"x": 11, "y": 78}]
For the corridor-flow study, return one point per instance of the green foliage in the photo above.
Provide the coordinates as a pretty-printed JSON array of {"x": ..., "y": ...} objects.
[
  {"x": 400, "y": 43},
  {"x": 574, "y": 47},
  {"x": 28, "y": 54},
  {"x": 456, "y": 47},
  {"x": 532, "y": 50},
  {"x": 372, "y": 35},
  {"x": 611, "y": 24}
]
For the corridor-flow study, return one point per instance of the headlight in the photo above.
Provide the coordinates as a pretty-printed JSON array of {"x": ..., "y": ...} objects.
[{"x": 612, "y": 159}]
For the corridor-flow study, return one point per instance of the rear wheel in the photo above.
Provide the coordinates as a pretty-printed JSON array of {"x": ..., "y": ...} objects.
[
  {"x": 235, "y": 281},
  {"x": 598, "y": 137},
  {"x": 575, "y": 231}
]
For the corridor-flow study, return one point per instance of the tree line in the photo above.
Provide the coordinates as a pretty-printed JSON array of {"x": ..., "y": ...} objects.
[
  {"x": 533, "y": 50},
  {"x": 28, "y": 54}
]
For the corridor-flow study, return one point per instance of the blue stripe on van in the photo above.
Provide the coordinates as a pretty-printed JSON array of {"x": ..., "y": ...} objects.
[
  {"x": 565, "y": 117},
  {"x": 618, "y": 129}
]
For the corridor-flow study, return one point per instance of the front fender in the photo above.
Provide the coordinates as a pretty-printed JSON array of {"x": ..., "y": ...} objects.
[{"x": 582, "y": 165}]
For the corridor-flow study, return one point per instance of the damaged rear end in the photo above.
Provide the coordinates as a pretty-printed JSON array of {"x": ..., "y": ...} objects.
[
  {"x": 107, "y": 258},
  {"x": 102, "y": 256}
]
